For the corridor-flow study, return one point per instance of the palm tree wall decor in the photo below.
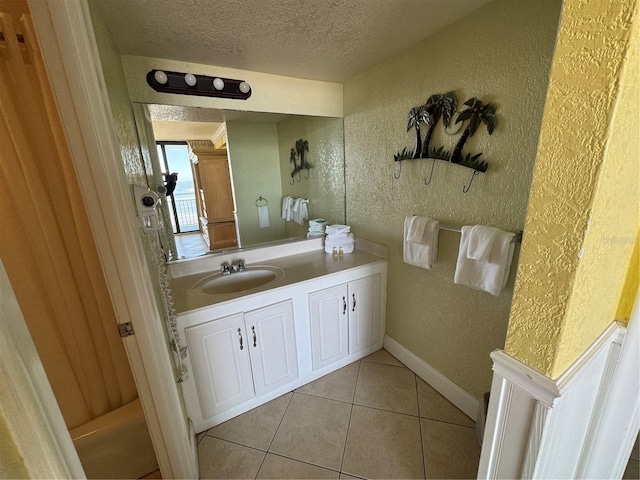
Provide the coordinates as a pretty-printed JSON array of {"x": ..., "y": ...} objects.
[
  {"x": 417, "y": 116},
  {"x": 477, "y": 113},
  {"x": 444, "y": 106},
  {"x": 301, "y": 147},
  {"x": 438, "y": 106}
]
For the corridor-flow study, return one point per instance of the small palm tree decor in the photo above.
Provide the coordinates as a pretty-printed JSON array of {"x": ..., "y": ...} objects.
[
  {"x": 417, "y": 116},
  {"x": 298, "y": 152},
  {"x": 438, "y": 106},
  {"x": 477, "y": 113}
]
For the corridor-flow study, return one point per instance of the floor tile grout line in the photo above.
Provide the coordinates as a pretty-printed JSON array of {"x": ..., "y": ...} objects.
[
  {"x": 298, "y": 460},
  {"x": 424, "y": 461},
  {"x": 274, "y": 435},
  {"x": 353, "y": 399}
]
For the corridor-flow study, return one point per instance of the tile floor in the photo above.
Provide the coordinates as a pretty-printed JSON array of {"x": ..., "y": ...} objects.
[
  {"x": 190, "y": 245},
  {"x": 633, "y": 470},
  {"x": 371, "y": 419}
]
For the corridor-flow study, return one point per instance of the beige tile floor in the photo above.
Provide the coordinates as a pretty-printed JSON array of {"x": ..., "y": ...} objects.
[
  {"x": 371, "y": 419},
  {"x": 190, "y": 245}
]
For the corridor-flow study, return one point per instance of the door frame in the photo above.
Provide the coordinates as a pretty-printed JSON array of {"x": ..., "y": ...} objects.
[{"x": 70, "y": 54}]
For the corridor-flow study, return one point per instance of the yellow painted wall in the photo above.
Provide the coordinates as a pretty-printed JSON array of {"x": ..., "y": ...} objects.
[
  {"x": 585, "y": 180},
  {"x": 501, "y": 54},
  {"x": 630, "y": 289}
]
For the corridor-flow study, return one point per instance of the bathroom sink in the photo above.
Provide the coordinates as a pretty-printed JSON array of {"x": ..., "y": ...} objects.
[{"x": 252, "y": 277}]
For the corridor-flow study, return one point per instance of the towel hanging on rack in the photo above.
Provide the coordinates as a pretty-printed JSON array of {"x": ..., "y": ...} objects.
[
  {"x": 490, "y": 276},
  {"x": 420, "y": 245}
]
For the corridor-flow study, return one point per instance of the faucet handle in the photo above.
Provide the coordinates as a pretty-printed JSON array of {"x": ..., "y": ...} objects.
[
  {"x": 241, "y": 265},
  {"x": 225, "y": 268}
]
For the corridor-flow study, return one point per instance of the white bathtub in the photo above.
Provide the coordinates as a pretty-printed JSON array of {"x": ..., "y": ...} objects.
[{"x": 116, "y": 445}]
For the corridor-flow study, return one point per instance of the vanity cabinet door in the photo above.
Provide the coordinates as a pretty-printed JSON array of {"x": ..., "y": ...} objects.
[
  {"x": 272, "y": 346},
  {"x": 364, "y": 312},
  {"x": 220, "y": 356},
  {"x": 329, "y": 316}
]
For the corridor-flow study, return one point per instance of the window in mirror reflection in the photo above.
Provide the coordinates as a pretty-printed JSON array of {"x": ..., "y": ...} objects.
[{"x": 174, "y": 157}]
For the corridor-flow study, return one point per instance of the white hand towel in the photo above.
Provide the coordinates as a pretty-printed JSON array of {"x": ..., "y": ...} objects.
[
  {"x": 263, "y": 216},
  {"x": 300, "y": 210},
  {"x": 490, "y": 276},
  {"x": 481, "y": 239},
  {"x": 421, "y": 254},
  {"x": 287, "y": 208},
  {"x": 417, "y": 228}
]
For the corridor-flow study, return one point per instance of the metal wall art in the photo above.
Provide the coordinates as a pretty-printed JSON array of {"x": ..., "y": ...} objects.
[
  {"x": 298, "y": 152},
  {"x": 444, "y": 106}
]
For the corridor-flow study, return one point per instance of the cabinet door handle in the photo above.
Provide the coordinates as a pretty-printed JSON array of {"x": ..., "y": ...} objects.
[
  {"x": 344, "y": 305},
  {"x": 253, "y": 330},
  {"x": 354, "y": 303},
  {"x": 240, "y": 338}
]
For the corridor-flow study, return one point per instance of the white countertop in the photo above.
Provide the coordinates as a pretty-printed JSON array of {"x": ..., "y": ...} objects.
[{"x": 297, "y": 268}]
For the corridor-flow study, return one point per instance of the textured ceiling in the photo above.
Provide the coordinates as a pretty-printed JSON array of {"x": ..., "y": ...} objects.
[{"x": 330, "y": 40}]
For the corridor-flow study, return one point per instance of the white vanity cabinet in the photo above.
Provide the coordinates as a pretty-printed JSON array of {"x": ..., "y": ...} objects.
[
  {"x": 241, "y": 356},
  {"x": 322, "y": 314},
  {"x": 345, "y": 319}
]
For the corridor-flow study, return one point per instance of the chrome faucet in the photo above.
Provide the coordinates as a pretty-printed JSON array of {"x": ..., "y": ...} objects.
[{"x": 236, "y": 267}]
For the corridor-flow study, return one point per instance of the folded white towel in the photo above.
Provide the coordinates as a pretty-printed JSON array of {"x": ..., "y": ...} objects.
[
  {"x": 481, "y": 239},
  {"x": 338, "y": 242},
  {"x": 418, "y": 228},
  {"x": 490, "y": 276},
  {"x": 263, "y": 216},
  {"x": 421, "y": 254},
  {"x": 337, "y": 229},
  {"x": 318, "y": 222},
  {"x": 287, "y": 208},
  {"x": 300, "y": 210}
]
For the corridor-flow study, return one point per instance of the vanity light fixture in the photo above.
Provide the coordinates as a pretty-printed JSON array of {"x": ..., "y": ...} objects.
[
  {"x": 218, "y": 83},
  {"x": 203, "y": 85}
]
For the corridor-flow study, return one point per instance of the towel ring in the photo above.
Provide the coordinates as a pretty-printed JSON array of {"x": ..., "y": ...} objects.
[{"x": 261, "y": 199}]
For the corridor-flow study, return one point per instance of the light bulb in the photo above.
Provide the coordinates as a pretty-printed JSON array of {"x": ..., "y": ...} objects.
[
  {"x": 218, "y": 83},
  {"x": 190, "y": 79},
  {"x": 244, "y": 87},
  {"x": 160, "y": 77}
]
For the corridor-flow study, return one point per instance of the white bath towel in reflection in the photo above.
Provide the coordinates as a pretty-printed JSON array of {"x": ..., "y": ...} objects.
[
  {"x": 300, "y": 210},
  {"x": 263, "y": 216},
  {"x": 490, "y": 276},
  {"x": 287, "y": 208},
  {"x": 420, "y": 241}
]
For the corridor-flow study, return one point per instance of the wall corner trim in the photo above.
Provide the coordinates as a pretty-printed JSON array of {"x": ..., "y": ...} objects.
[{"x": 539, "y": 427}]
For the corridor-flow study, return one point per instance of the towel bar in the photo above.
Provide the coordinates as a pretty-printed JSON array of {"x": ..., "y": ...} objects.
[{"x": 516, "y": 239}]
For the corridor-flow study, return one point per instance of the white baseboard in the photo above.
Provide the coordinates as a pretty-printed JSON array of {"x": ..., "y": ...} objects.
[{"x": 452, "y": 392}]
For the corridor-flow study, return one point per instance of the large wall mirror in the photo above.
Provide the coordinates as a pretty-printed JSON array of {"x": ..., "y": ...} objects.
[{"x": 258, "y": 150}]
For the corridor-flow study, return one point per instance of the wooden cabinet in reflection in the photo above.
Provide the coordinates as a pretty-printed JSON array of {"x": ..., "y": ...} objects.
[{"x": 214, "y": 194}]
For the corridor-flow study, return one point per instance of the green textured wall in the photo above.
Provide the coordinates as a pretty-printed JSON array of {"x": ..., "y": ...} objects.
[
  {"x": 253, "y": 151},
  {"x": 501, "y": 54},
  {"x": 325, "y": 186}
]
